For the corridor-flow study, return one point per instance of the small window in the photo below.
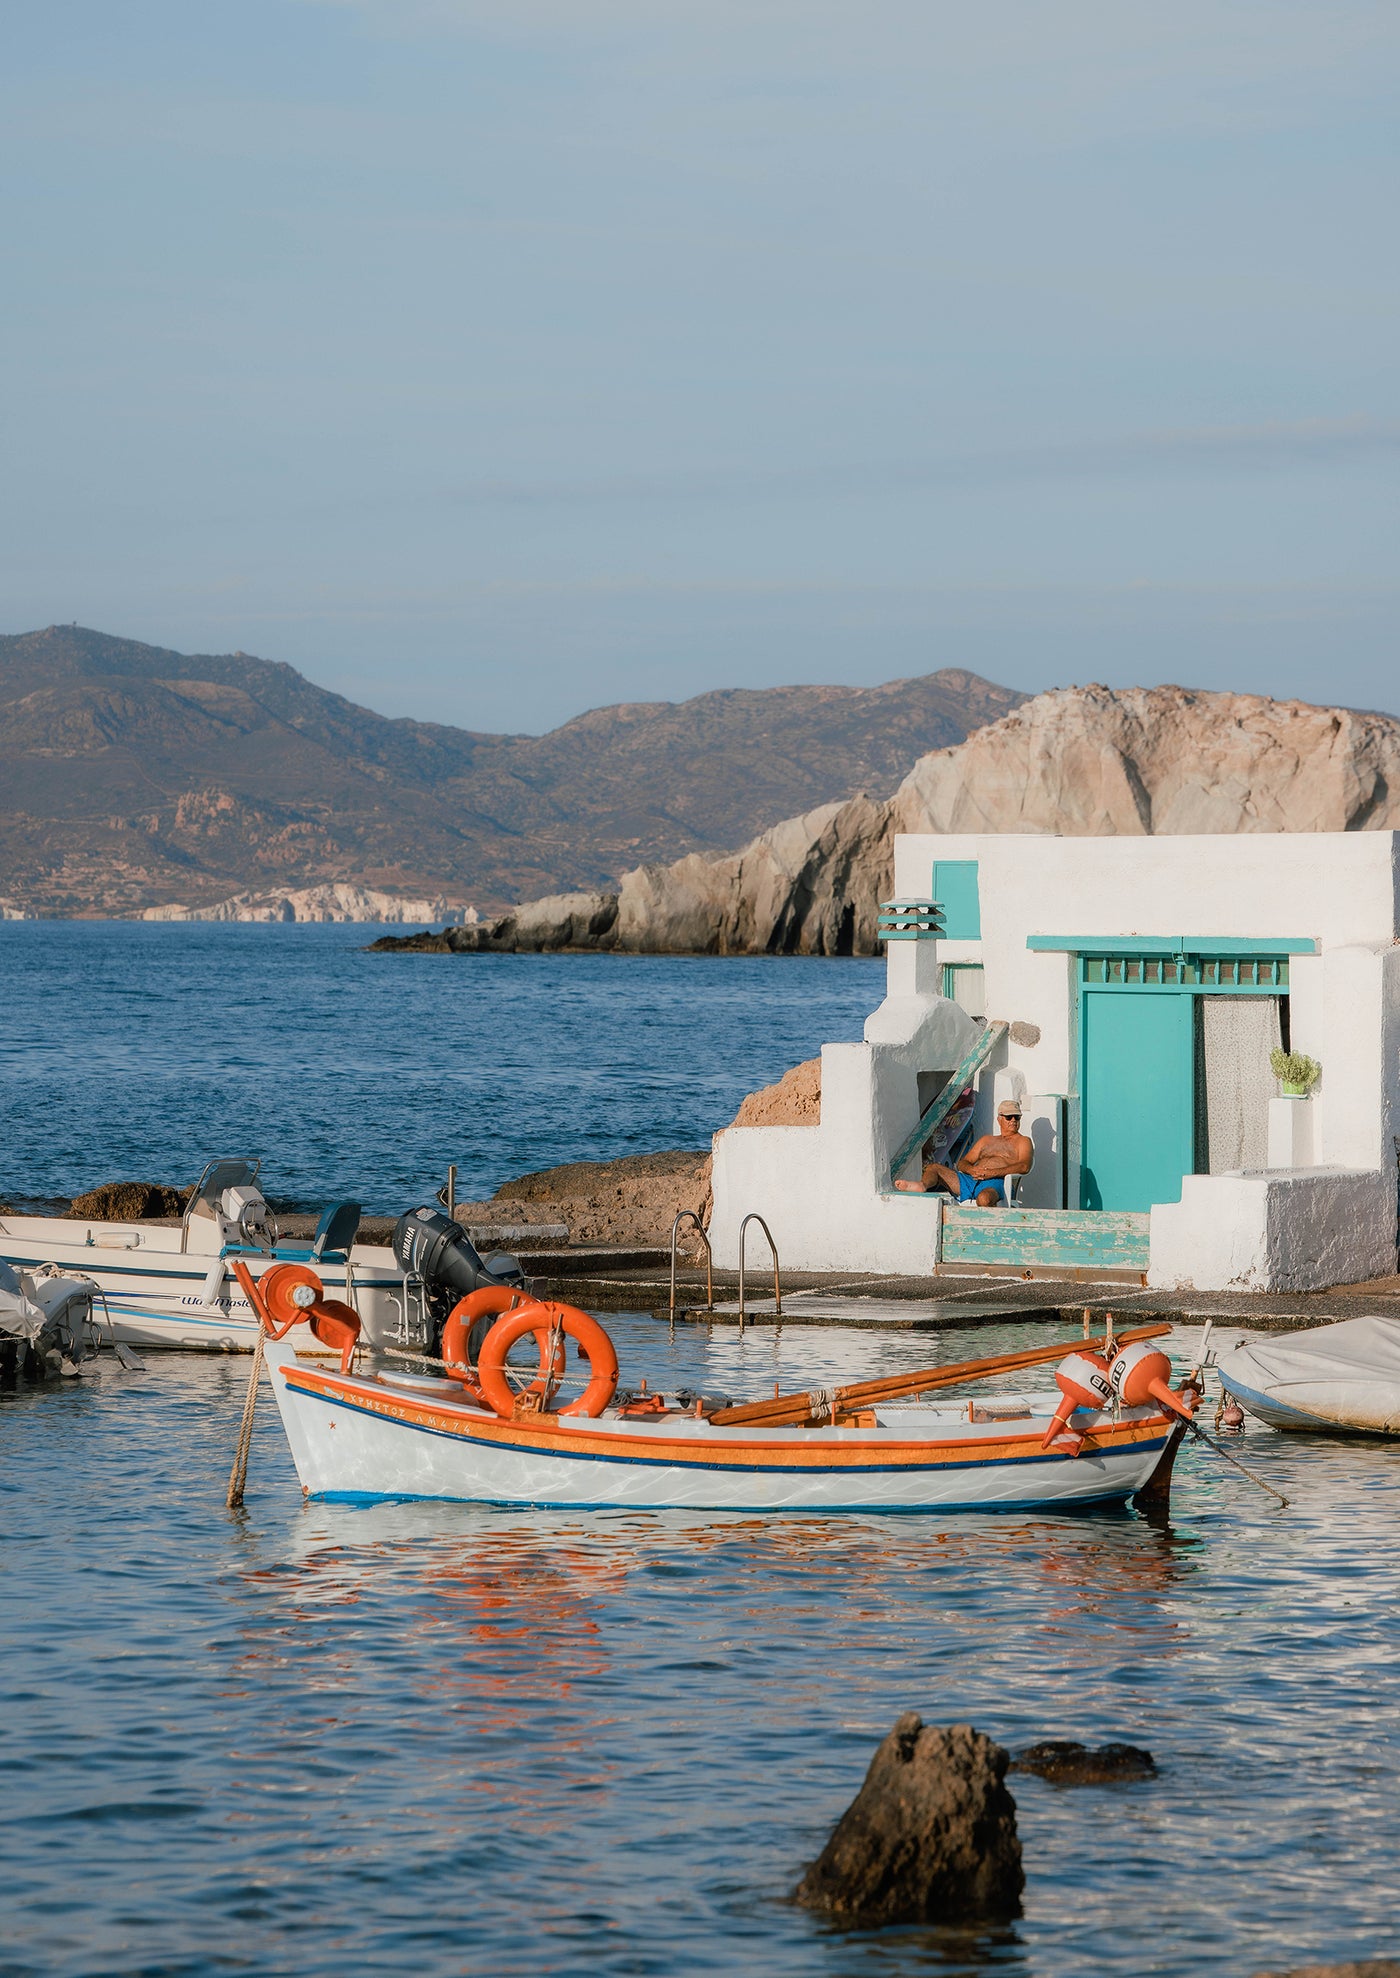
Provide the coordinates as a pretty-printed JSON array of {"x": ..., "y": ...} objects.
[
  {"x": 964, "y": 984},
  {"x": 955, "y": 889}
]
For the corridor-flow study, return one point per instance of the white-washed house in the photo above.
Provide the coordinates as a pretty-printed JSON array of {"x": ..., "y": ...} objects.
[{"x": 1128, "y": 991}]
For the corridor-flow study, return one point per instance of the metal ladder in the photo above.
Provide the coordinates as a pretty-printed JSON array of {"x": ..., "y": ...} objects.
[
  {"x": 754, "y": 1217},
  {"x": 683, "y": 1216}
]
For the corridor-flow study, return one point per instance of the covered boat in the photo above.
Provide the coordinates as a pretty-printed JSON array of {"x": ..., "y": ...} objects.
[
  {"x": 489, "y": 1431},
  {"x": 1342, "y": 1378}
]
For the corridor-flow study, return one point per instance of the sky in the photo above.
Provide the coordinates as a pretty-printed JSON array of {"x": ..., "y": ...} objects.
[{"x": 489, "y": 360}]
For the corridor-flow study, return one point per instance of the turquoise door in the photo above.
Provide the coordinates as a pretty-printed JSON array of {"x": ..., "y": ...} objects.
[{"x": 1138, "y": 1119}]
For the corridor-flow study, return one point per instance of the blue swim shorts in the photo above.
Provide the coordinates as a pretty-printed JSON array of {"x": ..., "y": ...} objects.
[{"x": 969, "y": 1186}]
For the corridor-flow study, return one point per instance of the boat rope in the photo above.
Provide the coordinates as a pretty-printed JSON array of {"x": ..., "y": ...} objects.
[
  {"x": 822, "y": 1404},
  {"x": 238, "y": 1476},
  {"x": 1220, "y": 1450},
  {"x": 423, "y": 1359}
]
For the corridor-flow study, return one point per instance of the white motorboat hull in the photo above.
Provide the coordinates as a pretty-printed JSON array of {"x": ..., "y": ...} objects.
[
  {"x": 151, "y": 1292},
  {"x": 1341, "y": 1379},
  {"x": 360, "y": 1437}
]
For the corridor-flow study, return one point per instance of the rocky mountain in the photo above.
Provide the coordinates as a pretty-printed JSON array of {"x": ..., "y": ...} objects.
[
  {"x": 1079, "y": 761},
  {"x": 132, "y": 776}
]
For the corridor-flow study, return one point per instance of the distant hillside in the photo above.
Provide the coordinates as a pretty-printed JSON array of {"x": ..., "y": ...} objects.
[{"x": 131, "y": 776}]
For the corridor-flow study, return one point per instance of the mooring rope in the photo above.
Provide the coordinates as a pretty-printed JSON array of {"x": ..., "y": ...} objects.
[
  {"x": 238, "y": 1476},
  {"x": 1220, "y": 1450}
]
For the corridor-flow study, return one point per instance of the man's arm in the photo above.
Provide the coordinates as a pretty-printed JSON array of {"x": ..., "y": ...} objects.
[{"x": 997, "y": 1157}]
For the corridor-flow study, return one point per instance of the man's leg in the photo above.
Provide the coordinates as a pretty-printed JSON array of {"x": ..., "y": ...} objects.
[
  {"x": 991, "y": 1197},
  {"x": 934, "y": 1176}
]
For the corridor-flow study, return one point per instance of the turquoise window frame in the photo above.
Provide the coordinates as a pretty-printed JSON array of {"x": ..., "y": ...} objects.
[
  {"x": 948, "y": 976},
  {"x": 956, "y": 891},
  {"x": 1210, "y": 945}
]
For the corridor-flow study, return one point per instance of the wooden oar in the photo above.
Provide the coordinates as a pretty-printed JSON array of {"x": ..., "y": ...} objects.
[{"x": 784, "y": 1410}]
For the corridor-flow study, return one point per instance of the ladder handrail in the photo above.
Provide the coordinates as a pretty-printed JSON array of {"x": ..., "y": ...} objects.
[
  {"x": 754, "y": 1217},
  {"x": 987, "y": 1040},
  {"x": 689, "y": 1215}
]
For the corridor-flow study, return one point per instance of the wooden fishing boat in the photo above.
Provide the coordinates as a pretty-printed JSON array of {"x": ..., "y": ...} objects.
[
  {"x": 360, "y": 1434},
  {"x": 1341, "y": 1379}
]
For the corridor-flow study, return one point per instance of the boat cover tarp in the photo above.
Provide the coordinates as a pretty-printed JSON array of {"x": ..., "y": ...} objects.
[
  {"x": 20, "y": 1317},
  {"x": 1347, "y": 1374}
]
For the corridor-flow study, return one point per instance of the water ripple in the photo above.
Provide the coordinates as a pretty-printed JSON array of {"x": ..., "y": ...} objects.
[{"x": 327, "y": 1738}]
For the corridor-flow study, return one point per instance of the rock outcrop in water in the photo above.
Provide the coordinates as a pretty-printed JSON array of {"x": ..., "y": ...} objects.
[
  {"x": 929, "y": 1838},
  {"x": 1081, "y": 761},
  {"x": 128, "y": 1202},
  {"x": 1065, "y": 1762}
]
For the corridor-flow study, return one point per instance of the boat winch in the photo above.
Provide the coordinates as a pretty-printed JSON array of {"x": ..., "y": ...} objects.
[{"x": 292, "y": 1294}]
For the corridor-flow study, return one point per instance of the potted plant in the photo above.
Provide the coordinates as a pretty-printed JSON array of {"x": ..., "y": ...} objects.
[{"x": 1295, "y": 1071}]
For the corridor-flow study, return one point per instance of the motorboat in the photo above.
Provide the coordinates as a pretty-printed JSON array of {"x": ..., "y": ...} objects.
[
  {"x": 1340, "y": 1379},
  {"x": 174, "y": 1285},
  {"x": 488, "y": 1431},
  {"x": 45, "y": 1307}
]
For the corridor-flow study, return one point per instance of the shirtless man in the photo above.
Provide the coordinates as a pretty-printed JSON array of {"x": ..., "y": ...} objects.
[{"x": 1007, "y": 1151}]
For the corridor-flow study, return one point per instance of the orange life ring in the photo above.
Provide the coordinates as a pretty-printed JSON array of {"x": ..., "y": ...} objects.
[
  {"x": 489, "y": 1301},
  {"x": 543, "y": 1317}
]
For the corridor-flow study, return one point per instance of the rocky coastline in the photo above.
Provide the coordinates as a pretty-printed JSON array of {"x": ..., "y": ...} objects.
[{"x": 1077, "y": 762}]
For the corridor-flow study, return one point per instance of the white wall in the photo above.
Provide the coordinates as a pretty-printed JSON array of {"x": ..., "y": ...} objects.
[
  {"x": 822, "y": 1188},
  {"x": 1293, "y": 1231}
]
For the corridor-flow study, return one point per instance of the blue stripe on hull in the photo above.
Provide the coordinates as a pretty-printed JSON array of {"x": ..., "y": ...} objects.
[
  {"x": 1278, "y": 1415},
  {"x": 1108, "y": 1501},
  {"x": 689, "y": 1465}
]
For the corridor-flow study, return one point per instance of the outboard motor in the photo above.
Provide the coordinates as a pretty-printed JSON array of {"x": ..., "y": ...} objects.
[{"x": 431, "y": 1246}]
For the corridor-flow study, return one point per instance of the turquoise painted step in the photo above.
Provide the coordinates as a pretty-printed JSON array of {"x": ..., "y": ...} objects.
[{"x": 1067, "y": 1239}]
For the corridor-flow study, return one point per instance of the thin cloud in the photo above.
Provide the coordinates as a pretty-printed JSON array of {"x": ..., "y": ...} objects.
[{"x": 1274, "y": 448}]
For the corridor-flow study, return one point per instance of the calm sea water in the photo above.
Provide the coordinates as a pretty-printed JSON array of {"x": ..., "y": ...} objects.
[
  {"x": 446, "y": 1740},
  {"x": 142, "y": 1050}
]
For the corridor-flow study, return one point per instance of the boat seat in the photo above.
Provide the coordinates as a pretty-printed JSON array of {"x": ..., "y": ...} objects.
[{"x": 336, "y": 1230}]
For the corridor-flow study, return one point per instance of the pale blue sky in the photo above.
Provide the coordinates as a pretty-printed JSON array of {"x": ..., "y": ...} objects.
[{"x": 491, "y": 359}]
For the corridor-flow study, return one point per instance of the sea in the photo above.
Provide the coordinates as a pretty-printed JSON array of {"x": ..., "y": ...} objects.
[{"x": 449, "y": 1739}]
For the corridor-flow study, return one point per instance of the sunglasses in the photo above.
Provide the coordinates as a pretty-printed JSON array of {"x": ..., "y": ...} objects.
[{"x": 1008, "y": 1115}]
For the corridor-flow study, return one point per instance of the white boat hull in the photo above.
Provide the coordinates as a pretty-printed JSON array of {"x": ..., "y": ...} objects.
[
  {"x": 152, "y": 1293},
  {"x": 1341, "y": 1379},
  {"x": 355, "y": 1438}
]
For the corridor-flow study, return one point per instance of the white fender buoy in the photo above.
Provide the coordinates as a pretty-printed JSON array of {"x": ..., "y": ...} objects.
[{"x": 214, "y": 1281}]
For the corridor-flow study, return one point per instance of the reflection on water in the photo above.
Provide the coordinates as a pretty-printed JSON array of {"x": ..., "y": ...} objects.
[{"x": 451, "y": 1738}]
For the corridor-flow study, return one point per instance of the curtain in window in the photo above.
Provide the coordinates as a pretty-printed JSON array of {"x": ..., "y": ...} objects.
[{"x": 1233, "y": 1081}]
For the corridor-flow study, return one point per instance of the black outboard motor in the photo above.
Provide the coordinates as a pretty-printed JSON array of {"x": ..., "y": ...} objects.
[{"x": 431, "y": 1246}]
